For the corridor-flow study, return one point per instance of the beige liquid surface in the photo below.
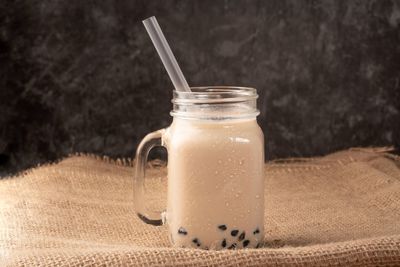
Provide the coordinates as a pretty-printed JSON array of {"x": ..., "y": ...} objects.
[{"x": 215, "y": 181}]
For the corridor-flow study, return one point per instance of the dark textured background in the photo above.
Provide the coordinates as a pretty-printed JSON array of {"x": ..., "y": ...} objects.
[{"x": 84, "y": 76}]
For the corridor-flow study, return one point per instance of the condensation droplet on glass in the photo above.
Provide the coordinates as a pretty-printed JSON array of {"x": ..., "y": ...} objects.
[
  {"x": 227, "y": 204},
  {"x": 164, "y": 217},
  {"x": 257, "y": 196},
  {"x": 229, "y": 159},
  {"x": 214, "y": 245},
  {"x": 171, "y": 238},
  {"x": 231, "y": 175},
  {"x": 219, "y": 161},
  {"x": 241, "y": 162},
  {"x": 216, "y": 172}
]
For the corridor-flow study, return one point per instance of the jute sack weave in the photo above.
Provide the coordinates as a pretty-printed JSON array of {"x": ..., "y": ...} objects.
[{"x": 341, "y": 209}]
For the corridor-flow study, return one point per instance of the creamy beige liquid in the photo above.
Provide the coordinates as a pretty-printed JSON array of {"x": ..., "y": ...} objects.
[{"x": 215, "y": 181}]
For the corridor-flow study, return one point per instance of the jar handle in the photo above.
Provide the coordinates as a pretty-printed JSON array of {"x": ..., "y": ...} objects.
[{"x": 148, "y": 143}]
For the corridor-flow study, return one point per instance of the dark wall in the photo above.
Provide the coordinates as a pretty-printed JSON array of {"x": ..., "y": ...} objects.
[{"x": 84, "y": 76}]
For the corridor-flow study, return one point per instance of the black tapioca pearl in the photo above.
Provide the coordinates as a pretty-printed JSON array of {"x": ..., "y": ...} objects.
[
  {"x": 196, "y": 241},
  {"x": 223, "y": 244},
  {"x": 242, "y": 236},
  {"x": 233, "y": 246},
  {"x": 182, "y": 231},
  {"x": 222, "y": 227},
  {"x": 234, "y": 232},
  {"x": 257, "y": 231},
  {"x": 246, "y": 243}
]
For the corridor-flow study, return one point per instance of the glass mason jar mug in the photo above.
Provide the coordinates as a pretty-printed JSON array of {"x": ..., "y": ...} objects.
[{"x": 215, "y": 147}]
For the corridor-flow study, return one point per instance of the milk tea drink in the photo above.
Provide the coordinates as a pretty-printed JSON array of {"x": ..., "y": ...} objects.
[
  {"x": 215, "y": 192},
  {"x": 215, "y": 170}
]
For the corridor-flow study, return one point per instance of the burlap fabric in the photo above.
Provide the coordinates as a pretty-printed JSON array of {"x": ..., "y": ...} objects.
[{"x": 342, "y": 209}]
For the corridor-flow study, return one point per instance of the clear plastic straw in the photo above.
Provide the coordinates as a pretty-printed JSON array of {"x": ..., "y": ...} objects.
[{"x": 166, "y": 55}]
